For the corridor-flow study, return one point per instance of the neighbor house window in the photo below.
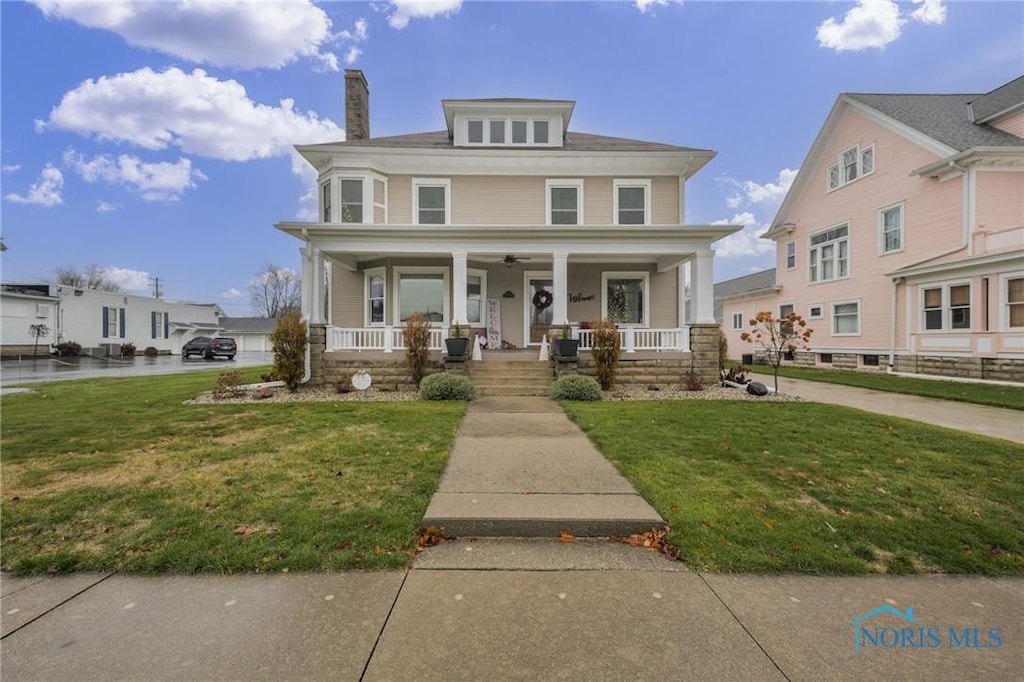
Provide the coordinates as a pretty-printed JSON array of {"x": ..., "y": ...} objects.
[
  {"x": 113, "y": 322},
  {"x": 790, "y": 255},
  {"x": 853, "y": 163},
  {"x": 351, "y": 200},
  {"x": 946, "y": 307},
  {"x": 825, "y": 358},
  {"x": 422, "y": 290},
  {"x": 624, "y": 297},
  {"x": 159, "y": 325},
  {"x": 845, "y": 318},
  {"x": 1015, "y": 303},
  {"x": 869, "y": 360},
  {"x": 890, "y": 221},
  {"x": 737, "y": 320},
  {"x": 828, "y": 257},
  {"x": 431, "y": 201},
  {"x": 375, "y": 293},
  {"x": 814, "y": 311},
  {"x": 632, "y": 200},
  {"x": 325, "y": 192},
  {"x": 476, "y": 289},
  {"x": 475, "y": 131},
  {"x": 565, "y": 202}
]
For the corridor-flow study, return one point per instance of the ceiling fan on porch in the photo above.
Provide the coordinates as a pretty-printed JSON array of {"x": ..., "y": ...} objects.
[{"x": 511, "y": 259}]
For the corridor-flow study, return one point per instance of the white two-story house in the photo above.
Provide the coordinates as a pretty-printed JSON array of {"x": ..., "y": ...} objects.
[{"x": 507, "y": 222}]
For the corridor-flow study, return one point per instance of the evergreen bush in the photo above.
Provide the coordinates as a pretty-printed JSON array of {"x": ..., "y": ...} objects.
[
  {"x": 575, "y": 387},
  {"x": 289, "y": 341},
  {"x": 446, "y": 386}
]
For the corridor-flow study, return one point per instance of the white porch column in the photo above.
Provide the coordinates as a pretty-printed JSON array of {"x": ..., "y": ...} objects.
[
  {"x": 459, "y": 287},
  {"x": 306, "y": 279},
  {"x": 702, "y": 287},
  {"x": 684, "y": 282},
  {"x": 316, "y": 294},
  {"x": 560, "y": 276}
]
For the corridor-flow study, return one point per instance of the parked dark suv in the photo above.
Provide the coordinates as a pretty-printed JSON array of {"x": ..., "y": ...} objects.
[{"x": 209, "y": 347}]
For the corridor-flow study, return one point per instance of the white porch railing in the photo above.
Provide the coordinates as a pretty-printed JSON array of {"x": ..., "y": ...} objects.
[
  {"x": 641, "y": 338},
  {"x": 385, "y": 339}
]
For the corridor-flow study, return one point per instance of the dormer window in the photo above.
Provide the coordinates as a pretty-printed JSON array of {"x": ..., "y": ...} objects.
[
  {"x": 495, "y": 131},
  {"x": 475, "y": 130},
  {"x": 507, "y": 122},
  {"x": 519, "y": 129},
  {"x": 540, "y": 132}
]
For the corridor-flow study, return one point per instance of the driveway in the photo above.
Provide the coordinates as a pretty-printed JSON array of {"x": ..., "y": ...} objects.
[{"x": 27, "y": 370}]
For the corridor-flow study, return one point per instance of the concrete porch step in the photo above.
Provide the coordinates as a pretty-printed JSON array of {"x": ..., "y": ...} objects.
[
  {"x": 511, "y": 391},
  {"x": 539, "y": 515}
]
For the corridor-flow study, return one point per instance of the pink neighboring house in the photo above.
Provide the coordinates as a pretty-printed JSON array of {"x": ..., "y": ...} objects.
[{"x": 901, "y": 240}]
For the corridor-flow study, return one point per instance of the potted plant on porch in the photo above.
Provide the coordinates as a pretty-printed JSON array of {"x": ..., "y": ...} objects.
[
  {"x": 565, "y": 345},
  {"x": 457, "y": 343}
]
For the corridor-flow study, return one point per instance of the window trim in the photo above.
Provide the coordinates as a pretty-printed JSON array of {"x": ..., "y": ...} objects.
[
  {"x": 1004, "y": 301},
  {"x": 342, "y": 179},
  {"x": 326, "y": 201},
  {"x": 810, "y": 311},
  {"x": 506, "y": 120},
  {"x": 946, "y": 308},
  {"x": 790, "y": 245},
  {"x": 618, "y": 183},
  {"x": 417, "y": 183},
  {"x": 446, "y": 287},
  {"x": 367, "y": 310},
  {"x": 881, "y": 228},
  {"x": 627, "y": 274},
  {"x": 482, "y": 274},
  {"x": 737, "y": 317},
  {"x": 560, "y": 183},
  {"x": 832, "y": 317},
  {"x": 811, "y": 247},
  {"x": 839, "y": 167}
]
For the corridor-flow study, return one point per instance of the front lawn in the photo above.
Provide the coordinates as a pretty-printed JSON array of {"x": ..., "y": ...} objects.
[
  {"x": 812, "y": 488},
  {"x": 996, "y": 395},
  {"x": 118, "y": 474}
]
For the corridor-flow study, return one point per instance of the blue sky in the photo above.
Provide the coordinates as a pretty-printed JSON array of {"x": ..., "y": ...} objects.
[{"x": 155, "y": 139}]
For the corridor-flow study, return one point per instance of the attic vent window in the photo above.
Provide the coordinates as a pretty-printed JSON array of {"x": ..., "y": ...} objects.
[{"x": 853, "y": 163}]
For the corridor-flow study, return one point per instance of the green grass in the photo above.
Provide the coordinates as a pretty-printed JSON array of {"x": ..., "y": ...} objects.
[
  {"x": 118, "y": 474},
  {"x": 995, "y": 395},
  {"x": 811, "y": 488}
]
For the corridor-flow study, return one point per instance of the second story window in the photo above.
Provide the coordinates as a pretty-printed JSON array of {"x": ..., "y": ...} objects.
[
  {"x": 325, "y": 192},
  {"x": 565, "y": 202},
  {"x": 790, "y": 255},
  {"x": 828, "y": 257},
  {"x": 351, "y": 201},
  {"x": 891, "y": 224},
  {"x": 632, "y": 202},
  {"x": 431, "y": 201}
]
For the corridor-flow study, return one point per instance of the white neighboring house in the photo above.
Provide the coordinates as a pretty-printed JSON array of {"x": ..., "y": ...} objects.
[
  {"x": 102, "y": 321},
  {"x": 21, "y": 307},
  {"x": 250, "y": 333}
]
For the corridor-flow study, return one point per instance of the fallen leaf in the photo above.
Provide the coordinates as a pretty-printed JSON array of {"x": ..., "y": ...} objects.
[
  {"x": 566, "y": 536},
  {"x": 245, "y": 531}
]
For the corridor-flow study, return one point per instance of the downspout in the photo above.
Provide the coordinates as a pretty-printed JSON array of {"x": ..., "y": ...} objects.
[{"x": 892, "y": 325}]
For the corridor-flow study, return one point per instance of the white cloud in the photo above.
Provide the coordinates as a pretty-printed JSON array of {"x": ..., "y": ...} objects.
[
  {"x": 646, "y": 6},
  {"x": 931, "y": 12},
  {"x": 746, "y": 242},
  {"x": 128, "y": 280},
  {"x": 420, "y": 9},
  {"x": 43, "y": 192},
  {"x": 247, "y": 35},
  {"x": 771, "y": 193},
  {"x": 106, "y": 207},
  {"x": 231, "y": 293},
  {"x": 160, "y": 181},
  {"x": 12, "y": 167},
  {"x": 875, "y": 24},
  {"x": 352, "y": 55},
  {"x": 192, "y": 111},
  {"x": 359, "y": 33}
]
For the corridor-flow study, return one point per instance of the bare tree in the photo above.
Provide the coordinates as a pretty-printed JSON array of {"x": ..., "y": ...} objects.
[
  {"x": 92, "y": 277},
  {"x": 276, "y": 291}
]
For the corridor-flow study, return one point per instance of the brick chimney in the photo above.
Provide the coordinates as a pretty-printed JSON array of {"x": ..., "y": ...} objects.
[{"x": 357, "y": 106}]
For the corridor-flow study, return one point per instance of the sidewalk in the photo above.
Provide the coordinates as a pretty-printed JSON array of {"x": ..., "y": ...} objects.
[{"x": 997, "y": 422}]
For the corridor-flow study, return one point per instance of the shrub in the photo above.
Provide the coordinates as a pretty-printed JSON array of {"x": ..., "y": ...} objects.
[
  {"x": 417, "y": 345},
  {"x": 289, "y": 343},
  {"x": 151, "y": 352},
  {"x": 692, "y": 381},
  {"x": 69, "y": 349},
  {"x": 128, "y": 350},
  {"x": 268, "y": 377},
  {"x": 575, "y": 387},
  {"x": 344, "y": 384},
  {"x": 723, "y": 349},
  {"x": 446, "y": 386},
  {"x": 606, "y": 351},
  {"x": 226, "y": 384}
]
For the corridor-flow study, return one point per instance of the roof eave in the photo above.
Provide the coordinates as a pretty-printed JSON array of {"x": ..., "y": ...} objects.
[{"x": 954, "y": 163}]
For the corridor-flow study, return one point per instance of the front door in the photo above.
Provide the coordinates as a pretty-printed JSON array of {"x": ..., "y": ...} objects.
[{"x": 539, "y": 310}]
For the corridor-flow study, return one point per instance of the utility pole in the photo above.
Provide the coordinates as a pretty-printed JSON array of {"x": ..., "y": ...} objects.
[{"x": 156, "y": 287}]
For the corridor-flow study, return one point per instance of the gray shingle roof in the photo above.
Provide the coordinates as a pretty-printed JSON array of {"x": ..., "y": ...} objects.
[
  {"x": 941, "y": 117},
  {"x": 999, "y": 100},
  {"x": 248, "y": 325},
  {"x": 756, "y": 282},
  {"x": 578, "y": 142}
]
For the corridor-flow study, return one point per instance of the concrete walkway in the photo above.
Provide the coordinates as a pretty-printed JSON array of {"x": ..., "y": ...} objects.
[{"x": 996, "y": 422}]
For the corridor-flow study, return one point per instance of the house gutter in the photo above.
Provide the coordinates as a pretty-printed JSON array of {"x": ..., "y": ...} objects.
[{"x": 892, "y": 325}]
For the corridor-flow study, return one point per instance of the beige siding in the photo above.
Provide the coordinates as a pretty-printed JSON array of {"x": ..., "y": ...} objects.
[
  {"x": 378, "y": 191},
  {"x": 584, "y": 282},
  {"x": 1012, "y": 124},
  {"x": 400, "y": 199},
  {"x": 665, "y": 201},
  {"x": 597, "y": 201},
  {"x": 347, "y": 298},
  {"x": 497, "y": 200},
  {"x": 664, "y": 302}
]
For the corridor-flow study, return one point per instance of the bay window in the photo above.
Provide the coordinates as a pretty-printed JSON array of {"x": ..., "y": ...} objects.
[
  {"x": 351, "y": 200},
  {"x": 325, "y": 193}
]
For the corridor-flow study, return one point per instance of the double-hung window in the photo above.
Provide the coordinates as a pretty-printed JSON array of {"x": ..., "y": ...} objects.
[
  {"x": 159, "y": 325},
  {"x": 737, "y": 320},
  {"x": 632, "y": 199},
  {"x": 625, "y": 297},
  {"x": 946, "y": 307},
  {"x": 890, "y": 224},
  {"x": 113, "y": 322},
  {"x": 476, "y": 289},
  {"x": 351, "y": 200},
  {"x": 828, "y": 257},
  {"x": 1015, "y": 302},
  {"x": 565, "y": 202},
  {"x": 376, "y": 289},
  {"x": 325, "y": 193},
  {"x": 846, "y": 318},
  {"x": 790, "y": 255},
  {"x": 431, "y": 199}
]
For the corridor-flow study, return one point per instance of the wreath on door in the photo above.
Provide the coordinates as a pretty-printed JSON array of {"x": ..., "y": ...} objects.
[{"x": 543, "y": 299}]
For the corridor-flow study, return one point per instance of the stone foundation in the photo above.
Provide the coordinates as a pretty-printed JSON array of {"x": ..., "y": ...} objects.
[{"x": 661, "y": 372}]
